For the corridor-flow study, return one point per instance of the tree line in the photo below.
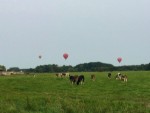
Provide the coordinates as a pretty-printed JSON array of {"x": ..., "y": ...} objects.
[{"x": 85, "y": 67}]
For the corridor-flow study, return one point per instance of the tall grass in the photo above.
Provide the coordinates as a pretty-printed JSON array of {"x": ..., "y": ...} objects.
[{"x": 46, "y": 93}]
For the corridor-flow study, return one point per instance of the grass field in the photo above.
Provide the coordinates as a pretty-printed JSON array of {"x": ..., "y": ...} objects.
[{"x": 47, "y": 94}]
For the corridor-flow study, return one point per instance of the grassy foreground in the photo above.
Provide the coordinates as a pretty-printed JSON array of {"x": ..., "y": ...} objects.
[{"x": 47, "y": 94}]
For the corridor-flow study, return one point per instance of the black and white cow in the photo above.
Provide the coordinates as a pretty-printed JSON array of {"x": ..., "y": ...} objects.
[
  {"x": 80, "y": 80},
  {"x": 73, "y": 79},
  {"x": 76, "y": 79},
  {"x": 109, "y": 75}
]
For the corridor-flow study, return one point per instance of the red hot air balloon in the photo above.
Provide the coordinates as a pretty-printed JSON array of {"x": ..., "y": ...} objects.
[
  {"x": 119, "y": 59},
  {"x": 65, "y": 55}
]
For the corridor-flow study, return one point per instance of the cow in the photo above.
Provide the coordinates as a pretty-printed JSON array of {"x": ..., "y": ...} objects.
[
  {"x": 80, "y": 80},
  {"x": 76, "y": 79},
  {"x": 121, "y": 77},
  {"x": 66, "y": 74},
  {"x": 93, "y": 77},
  {"x": 73, "y": 79},
  {"x": 109, "y": 75},
  {"x": 58, "y": 74},
  {"x": 124, "y": 78},
  {"x": 62, "y": 74},
  {"x": 118, "y": 76}
]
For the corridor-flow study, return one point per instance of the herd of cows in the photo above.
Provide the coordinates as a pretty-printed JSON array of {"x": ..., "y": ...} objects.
[{"x": 79, "y": 79}]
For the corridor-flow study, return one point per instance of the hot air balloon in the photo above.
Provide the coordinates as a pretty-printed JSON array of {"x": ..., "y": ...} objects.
[
  {"x": 40, "y": 56},
  {"x": 119, "y": 59},
  {"x": 65, "y": 55}
]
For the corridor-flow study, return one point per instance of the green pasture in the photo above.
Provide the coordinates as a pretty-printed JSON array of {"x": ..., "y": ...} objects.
[{"x": 46, "y": 93}]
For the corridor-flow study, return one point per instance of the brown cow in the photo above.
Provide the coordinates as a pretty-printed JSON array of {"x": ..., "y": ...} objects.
[
  {"x": 124, "y": 78},
  {"x": 93, "y": 77}
]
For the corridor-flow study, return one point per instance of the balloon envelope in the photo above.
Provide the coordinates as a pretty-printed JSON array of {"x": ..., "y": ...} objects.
[
  {"x": 40, "y": 56},
  {"x": 65, "y": 55},
  {"x": 119, "y": 59}
]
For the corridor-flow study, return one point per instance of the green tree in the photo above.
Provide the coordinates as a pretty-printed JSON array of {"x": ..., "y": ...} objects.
[
  {"x": 2, "y": 68},
  {"x": 16, "y": 69}
]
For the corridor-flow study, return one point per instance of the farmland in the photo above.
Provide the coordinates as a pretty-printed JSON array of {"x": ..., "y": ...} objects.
[{"x": 45, "y": 93}]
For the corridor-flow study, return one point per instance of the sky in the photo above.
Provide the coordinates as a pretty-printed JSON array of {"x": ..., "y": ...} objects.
[{"x": 88, "y": 30}]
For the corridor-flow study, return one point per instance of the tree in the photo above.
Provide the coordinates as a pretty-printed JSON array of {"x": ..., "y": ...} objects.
[
  {"x": 2, "y": 68},
  {"x": 15, "y": 69}
]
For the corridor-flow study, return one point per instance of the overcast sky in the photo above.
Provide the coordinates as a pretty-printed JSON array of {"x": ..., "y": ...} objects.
[{"x": 88, "y": 30}]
